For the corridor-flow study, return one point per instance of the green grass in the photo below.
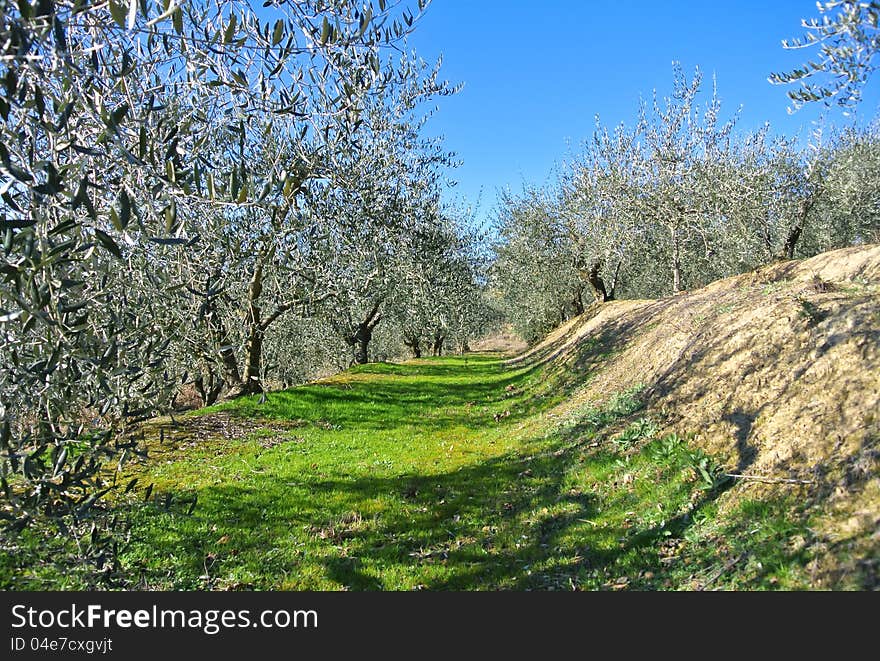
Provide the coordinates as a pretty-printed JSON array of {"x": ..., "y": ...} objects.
[{"x": 447, "y": 473}]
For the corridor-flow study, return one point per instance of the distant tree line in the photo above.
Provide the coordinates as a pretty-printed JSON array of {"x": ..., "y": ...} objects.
[{"x": 675, "y": 201}]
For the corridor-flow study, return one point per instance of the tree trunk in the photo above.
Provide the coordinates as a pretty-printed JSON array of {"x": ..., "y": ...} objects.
[
  {"x": 768, "y": 243},
  {"x": 235, "y": 382},
  {"x": 791, "y": 242},
  {"x": 251, "y": 382},
  {"x": 614, "y": 280},
  {"x": 676, "y": 262},
  {"x": 578, "y": 301},
  {"x": 414, "y": 346},
  {"x": 217, "y": 330},
  {"x": 361, "y": 345},
  {"x": 596, "y": 283},
  {"x": 231, "y": 373},
  {"x": 794, "y": 234},
  {"x": 208, "y": 385},
  {"x": 438, "y": 344},
  {"x": 360, "y": 339}
]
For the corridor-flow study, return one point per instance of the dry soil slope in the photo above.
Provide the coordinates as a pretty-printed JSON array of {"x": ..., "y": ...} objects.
[{"x": 776, "y": 371}]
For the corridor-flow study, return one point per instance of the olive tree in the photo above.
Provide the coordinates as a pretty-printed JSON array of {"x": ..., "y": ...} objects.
[
  {"x": 797, "y": 203},
  {"x": 536, "y": 265},
  {"x": 379, "y": 196},
  {"x": 846, "y": 206},
  {"x": 599, "y": 211},
  {"x": 439, "y": 292},
  {"x": 123, "y": 122},
  {"x": 685, "y": 180}
]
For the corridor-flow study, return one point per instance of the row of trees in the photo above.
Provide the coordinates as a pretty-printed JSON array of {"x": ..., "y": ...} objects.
[
  {"x": 202, "y": 193},
  {"x": 677, "y": 201}
]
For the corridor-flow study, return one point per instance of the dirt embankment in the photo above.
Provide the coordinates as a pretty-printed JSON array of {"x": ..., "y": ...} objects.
[{"x": 777, "y": 372}]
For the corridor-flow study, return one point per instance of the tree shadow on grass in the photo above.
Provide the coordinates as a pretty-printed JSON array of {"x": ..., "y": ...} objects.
[
  {"x": 439, "y": 527},
  {"x": 513, "y": 521},
  {"x": 418, "y": 394},
  {"x": 509, "y": 522}
]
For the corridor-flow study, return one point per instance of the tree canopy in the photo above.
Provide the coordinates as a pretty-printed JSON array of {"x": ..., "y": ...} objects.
[
  {"x": 674, "y": 202},
  {"x": 187, "y": 189},
  {"x": 847, "y": 37}
]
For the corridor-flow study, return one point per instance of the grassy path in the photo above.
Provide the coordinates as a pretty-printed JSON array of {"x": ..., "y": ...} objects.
[{"x": 452, "y": 473}]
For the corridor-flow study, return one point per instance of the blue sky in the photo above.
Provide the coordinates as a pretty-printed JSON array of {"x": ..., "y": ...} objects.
[{"x": 535, "y": 74}]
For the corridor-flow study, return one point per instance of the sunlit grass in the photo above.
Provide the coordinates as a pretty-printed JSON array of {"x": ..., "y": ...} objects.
[
  {"x": 440, "y": 474},
  {"x": 432, "y": 474}
]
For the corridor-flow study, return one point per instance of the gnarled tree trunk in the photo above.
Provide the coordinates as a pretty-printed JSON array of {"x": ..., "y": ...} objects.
[
  {"x": 254, "y": 350},
  {"x": 249, "y": 383},
  {"x": 797, "y": 229},
  {"x": 596, "y": 282},
  {"x": 359, "y": 340},
  {"x": 209, "y": 385},
  {"x": 413, "y": 342},
  {"x": 578, "y": 301},
  {"x": 676, "y": 260},
  {"x": 437, "y": 347},
  {"x": 794, "y": 233}
]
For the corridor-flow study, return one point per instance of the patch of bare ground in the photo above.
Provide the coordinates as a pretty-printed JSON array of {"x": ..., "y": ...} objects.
[
  {"x": 776, "y": 371},
  {"x": 168, "y": 436},
  {"x": 504, "y": 340}
]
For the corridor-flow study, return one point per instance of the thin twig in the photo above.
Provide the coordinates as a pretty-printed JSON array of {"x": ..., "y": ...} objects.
[
  {"x": 727, "y": 567},
  {"x": 761, "y": 478}
]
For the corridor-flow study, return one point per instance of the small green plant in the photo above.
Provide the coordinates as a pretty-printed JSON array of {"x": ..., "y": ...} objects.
[
  {"x": 666, "y": 448},
  {"x": 626, "y": 403},
  {"x": 773, "y": 287},
  {"x": 643, "y": 428},
  {"x": 672, "y": 449},
  {"x": 710, "y": 475},
  {"x": 620, "y": 405},
  {"x": 623, "y": 463},
  {"x": 809, "y": 311},
  {"x": 595, "y": 418}
]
